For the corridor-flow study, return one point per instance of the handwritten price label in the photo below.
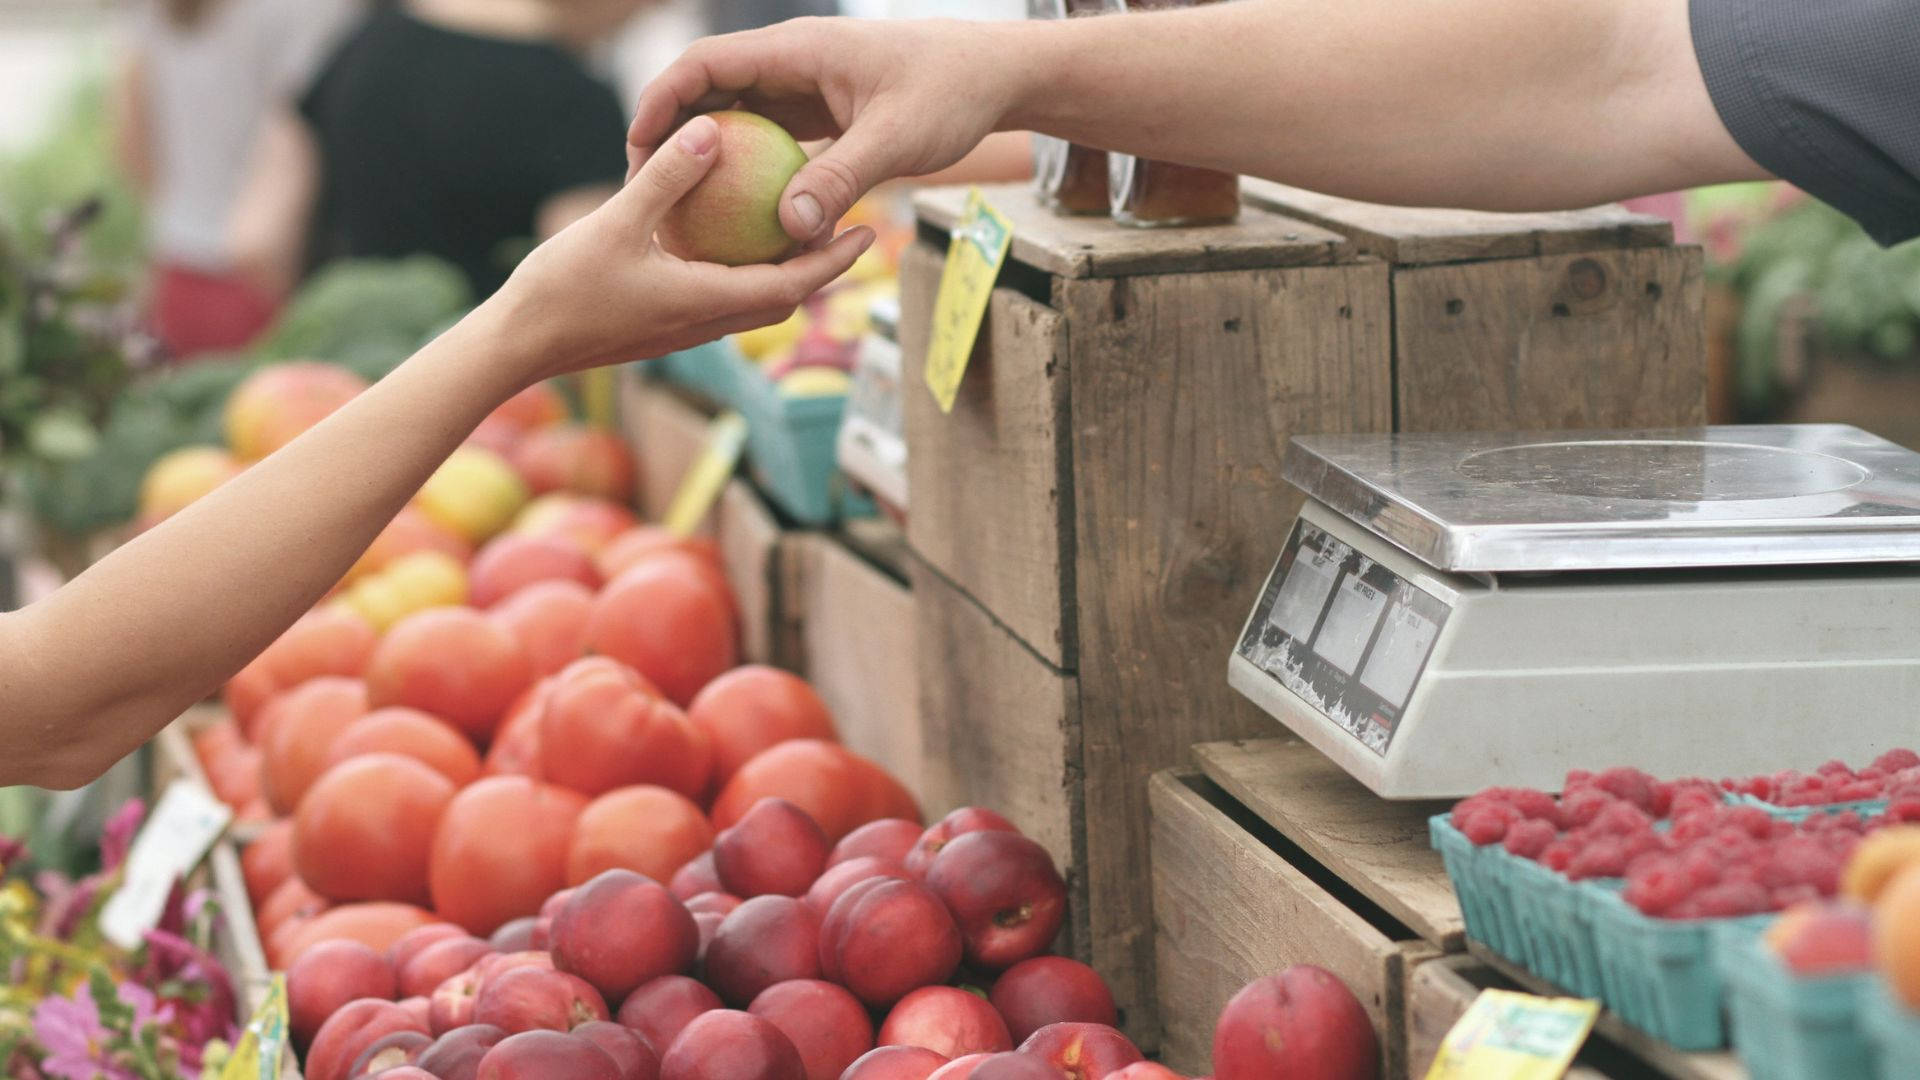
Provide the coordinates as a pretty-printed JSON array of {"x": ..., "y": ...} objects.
[
  {"x": 974, "y": 258},
  {"x": 1510, "y": 1036}
]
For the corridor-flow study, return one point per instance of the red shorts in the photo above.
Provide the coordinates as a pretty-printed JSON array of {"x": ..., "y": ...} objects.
[{"x": 196, "y": 312}]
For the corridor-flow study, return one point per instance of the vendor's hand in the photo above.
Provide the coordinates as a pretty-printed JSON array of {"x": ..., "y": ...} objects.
[
  {"x": 603, "y": 291},
  {"x": 900, "y": 98}
]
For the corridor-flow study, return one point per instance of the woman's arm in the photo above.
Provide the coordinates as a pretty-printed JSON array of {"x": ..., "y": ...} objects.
[
  {"x": 91, "y": 672},
  {"x": 267, "y": 232},
  {"x": 1493, "y": 104}
]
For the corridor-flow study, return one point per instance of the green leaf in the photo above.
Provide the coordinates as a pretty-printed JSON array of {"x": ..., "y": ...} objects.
[{"x": 62, "y": 435}]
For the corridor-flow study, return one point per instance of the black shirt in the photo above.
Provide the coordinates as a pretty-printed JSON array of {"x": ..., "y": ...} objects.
[
  {"x": 1824, "y": 94},
  {"x": 443, "y": 142}
]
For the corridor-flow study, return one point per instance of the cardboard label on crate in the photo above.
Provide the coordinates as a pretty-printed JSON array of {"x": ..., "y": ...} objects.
[
  {"x": 974, "y": 258},
  {"x": 257, "y": 1056},
  {"x": 726, "y": 437},
  {"x": 175, "y": 838},
  {"x": 1512, "y": 1036}
]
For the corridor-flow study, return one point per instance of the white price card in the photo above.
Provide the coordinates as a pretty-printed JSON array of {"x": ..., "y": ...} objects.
[
  {"x": 1350, "y": 622},
  {"x": 176, "y": 836}
]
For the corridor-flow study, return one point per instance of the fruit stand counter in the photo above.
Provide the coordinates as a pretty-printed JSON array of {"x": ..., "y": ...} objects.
[
  {"x": 1271, "y": 855},
  {"x": 1091, "y": 520}
]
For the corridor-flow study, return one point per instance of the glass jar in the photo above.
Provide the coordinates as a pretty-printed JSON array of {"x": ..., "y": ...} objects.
[
  {"x": 1069, "y": 178},
  {"x": 1152, "y": 194}
]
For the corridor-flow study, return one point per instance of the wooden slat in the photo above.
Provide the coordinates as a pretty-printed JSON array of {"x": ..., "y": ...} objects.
[
  {"x": 1416, "y": 235},
  {"x": 1000, "y": 726},
  {"x": 989, "y": 478},
  {"x": 857, "y": 637},
  {"x": 1658, "y": 1054},
  {"x": 1377, "y": 846},
  {"x": 1186, "y": 388},
  {"x": 1603, "y": 340},
  {"x": 749, "y": 538},
  {"x": 1229, "y": 909},
  {"x": 1093, "y": 247}
]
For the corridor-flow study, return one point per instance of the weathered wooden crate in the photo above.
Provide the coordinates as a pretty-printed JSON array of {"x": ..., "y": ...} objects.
[
  {"x": 1374, "y": 854},
  {"x": 1234, "y": 901},
  {"x": 1094, "y": 518}
]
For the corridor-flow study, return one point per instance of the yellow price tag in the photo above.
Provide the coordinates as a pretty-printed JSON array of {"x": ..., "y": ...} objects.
[
  {"x": 979, "y": 247},
  {"x": 257, "y": 1057},
  {"x": 1511, "y": 1036},
  {"x": 726, "y": 437}
]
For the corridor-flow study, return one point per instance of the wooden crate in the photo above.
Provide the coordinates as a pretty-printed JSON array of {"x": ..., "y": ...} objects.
[
  {"x": 1233, "y": 901},
  {"x": 1105, "y": 498},
  {"x": 1439, "y": 994},
  {"x": 853, "y": 625}
]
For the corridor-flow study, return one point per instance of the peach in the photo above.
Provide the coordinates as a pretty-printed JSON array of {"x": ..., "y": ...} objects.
[
  {"x": 1303, "y": 1022},
  {"x": 767, "y": 940},
  {"x": 409, "y": 944},
  {"x": 713, "y": 903},
  {"x": 550, "y": 620},
  {"x": 895, "y": 1063},
  {"x": 547, "y": 1055},
  {"x": 389, "y": 1052},
  {"x": 474, "y": 493},
  {"x": 591, "y": 523},
  {"x": 967, "y": 819},
  {"x": 442, "y": 960},
  {"x": 1081, "y": 1051},
  {"x": 1014, "y": 1067},
  {"x": 1146, "y": 1070},
  {"x": 885, "y": 938},
  {"x": 328, "y": 976},
  {"x": 1880, "y": 856},
  {"x": 456, "y": 1054},
  {"x": 946, "y": 1020},
  {"x": 621, "y": 930},
  {"x": 450, "y": 1006},
  {"x": 698, "y": 876},
  {"x": 528, "y": 999},
  {"x": 732, "y": 216},
  {"x": 454, "y": 663},
  {"x": 840, "y": 877},
  {"x": 519, "y": 935},
  {"x": 633, "y": 1054},
  {"x": 576, "y": 457},
  {"x": 1823, "y": 938},
  {"x": 297, "y": 727},
  {"x": 275, "y": 404},
  {"x": 826, "y": 1024},
  {"x": 1048, "y": 990},
  {"x": 403, "y": 1072},
  {"x": 774, "y": 849},
  {"x": 412, "y": 733},
  {"x": 409, "y": 533},
  {"x": 1896, "y": 938},
  {"x": 960, "y": 1068},
  {"x": 708, "y": 923},
  {"x": 409, "y": 585},
  {"x": 729, "y": 1045},
  {"x": 181, "y": 477},
  {"x": 888, "y": 838},
  {"x": 669, "y": 622},
  {"x": 348, "y": 1032},
  {"x": 507, "y": 564},
  {"x": 645, "y": 828},
  {"x": 662, "y": 1008},
  {"x": 613, "y": 732},
  {"x": 1005, "y": 894},
  {"x": 420, "y": 1008}
]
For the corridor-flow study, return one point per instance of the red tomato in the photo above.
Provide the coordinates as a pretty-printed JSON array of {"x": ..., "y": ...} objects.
[
  {"x": 649, "y": 830},
  {"x": 602, "y": 728},
  {"x": 409, "y": 733},
  {"x": 297, "y": 729},
  {"x": 501, "y": 850},
  {"x": 752, "y": 708},
  {"x": 364, "y": 830},
  {"x": 669, "y": 623}
]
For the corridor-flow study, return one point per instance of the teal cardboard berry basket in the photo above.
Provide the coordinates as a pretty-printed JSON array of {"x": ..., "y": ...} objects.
[
  {"x": 1793, "y": 1027},
  {"x": 1797, "y": 814},
  {"x": 1480, "y": 880},
  {"x": 1661, "y": 975},
  {"x": 1893, "y": 1033}
]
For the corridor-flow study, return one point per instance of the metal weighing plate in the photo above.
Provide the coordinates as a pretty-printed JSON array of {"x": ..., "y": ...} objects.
[{"x": 1759, "y": 495}]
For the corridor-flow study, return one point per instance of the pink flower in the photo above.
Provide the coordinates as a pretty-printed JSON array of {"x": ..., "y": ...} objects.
[
  {"x": 76, "y": 1045},
  {"x": 116, "y": 836}
]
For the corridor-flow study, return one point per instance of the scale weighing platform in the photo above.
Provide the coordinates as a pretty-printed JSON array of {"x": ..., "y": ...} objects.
[{"x": 1455, "y": 611}]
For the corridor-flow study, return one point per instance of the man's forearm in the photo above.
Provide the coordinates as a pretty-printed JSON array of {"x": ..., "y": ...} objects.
[
  {"x": 1498, "y": 104},
  {"x": 164, "y": 620}
]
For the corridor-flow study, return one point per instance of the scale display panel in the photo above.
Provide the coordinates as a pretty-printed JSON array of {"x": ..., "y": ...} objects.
[{"x": 1343, "y": 632}]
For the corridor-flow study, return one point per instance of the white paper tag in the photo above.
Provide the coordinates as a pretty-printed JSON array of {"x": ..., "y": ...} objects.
[{"x": 176, "y": 836}]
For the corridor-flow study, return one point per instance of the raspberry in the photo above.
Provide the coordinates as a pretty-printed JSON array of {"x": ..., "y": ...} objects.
[
  {"x": 1622, "y": 819},
  {"x": 1691, "y": 800},
  {"x": 1803, "y": 860},
  {"x": 1897, "y": 760},
  {"x": 1731, "y": 899},
  {"x": 1904, "y": 811},
  {"x": 1536, "y": 804},
  {"x": 1658, "y": 887},
  {"x": 1788, "y": 895},
  {"x": 1701, "y": 867},
  {"x": 1529, "y": 838},
  {"x": 1834, "y": 768},
  {"x": 1751, "y": 820},
  {"x": 1857, "y": 791},
  {"x": 1632, "y": 785},
  {"x": 1604, "y": 857},
  {"x": 1582, "y": 778},
  {"x": 1582, "y": 806},
  {"x": 1559, "y": 855},
  {"x": 1488, "y": 824}
]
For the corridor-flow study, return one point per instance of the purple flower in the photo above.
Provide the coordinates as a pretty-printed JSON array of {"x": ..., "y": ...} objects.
[
  {"x": 76, "y": 1045},
  {"x": 206, "y": 1010},
  {"x": 116, "y": 836}
]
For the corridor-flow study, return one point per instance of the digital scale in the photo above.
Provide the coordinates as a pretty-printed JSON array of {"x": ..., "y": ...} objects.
[{"x": 1455, "y": 611}]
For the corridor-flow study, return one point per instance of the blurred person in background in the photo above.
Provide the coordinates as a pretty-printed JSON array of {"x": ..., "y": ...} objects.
[
  {"x": 191, "y": 96},
  {"x": 463, "y": 129}
]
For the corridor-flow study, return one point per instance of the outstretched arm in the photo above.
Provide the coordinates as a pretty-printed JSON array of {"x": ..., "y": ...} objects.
[
  {"x": 92, "y": 671},
  {"x": 1499, "y": 104}
]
